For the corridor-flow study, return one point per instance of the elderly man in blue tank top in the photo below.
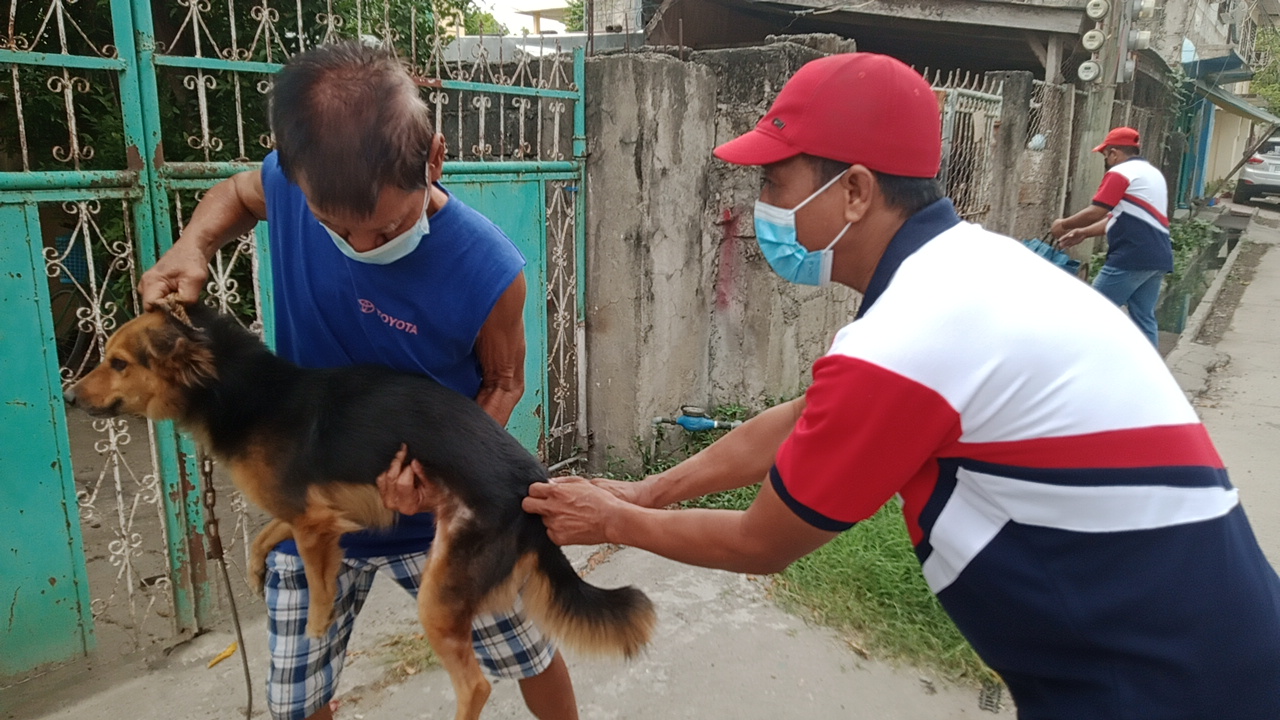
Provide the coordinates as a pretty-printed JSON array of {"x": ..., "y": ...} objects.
[{"x": 373, "y": 262}]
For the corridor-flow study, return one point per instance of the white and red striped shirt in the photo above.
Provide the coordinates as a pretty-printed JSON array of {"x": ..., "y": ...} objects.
[
  {"x": 1138, "y": 231},
  {"x": 1067, "y": 505}
]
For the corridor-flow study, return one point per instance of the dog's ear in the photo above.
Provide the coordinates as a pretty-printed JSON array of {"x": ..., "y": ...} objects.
[
  {"x": 182, "y": 353},
  {"x": 176, "y": 310}
]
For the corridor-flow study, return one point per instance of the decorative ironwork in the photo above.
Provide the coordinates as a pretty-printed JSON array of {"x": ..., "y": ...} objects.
[
  {"x": 971, "y": 106},
  {"x": 564, "y": 325},
  {"x": 51, "y": 28},
  {"x": 54, "y": 15},
  {"x": 117, "y": 485},
  {"x": 233, "y": 289},
  {"x": 82, "y": 129}
]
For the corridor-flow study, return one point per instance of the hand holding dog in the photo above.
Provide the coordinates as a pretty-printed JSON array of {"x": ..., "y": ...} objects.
[
  {"x": 405, "y": 487},
  {"x": 639, "y": 492},
  {"x": 182, "y": 271},
  {"x": 575, "y": 511}
]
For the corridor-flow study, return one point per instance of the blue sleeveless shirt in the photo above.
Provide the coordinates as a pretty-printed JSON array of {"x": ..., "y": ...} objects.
[{"x": 419, "y": 314}]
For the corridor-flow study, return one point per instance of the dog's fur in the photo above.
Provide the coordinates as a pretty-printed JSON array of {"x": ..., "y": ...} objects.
[{"x": 307, "y": 446}]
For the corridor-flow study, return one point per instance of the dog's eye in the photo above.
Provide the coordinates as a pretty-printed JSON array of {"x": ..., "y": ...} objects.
[{"x": 119, "y": 364}]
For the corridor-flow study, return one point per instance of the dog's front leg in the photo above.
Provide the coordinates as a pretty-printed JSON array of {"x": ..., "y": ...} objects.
[
  {"x": 275, "y": 532},
  {"x": 321, "y": 560}
]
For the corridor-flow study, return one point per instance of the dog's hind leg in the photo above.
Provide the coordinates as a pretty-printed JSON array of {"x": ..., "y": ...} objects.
[
  {"x": 273, "y": 534},
  {"x": 446, "y": 610},
  {"x": 448, "y": 628}
]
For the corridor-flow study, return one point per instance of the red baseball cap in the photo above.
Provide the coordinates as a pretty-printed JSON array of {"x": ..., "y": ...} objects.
[
  {"x": 860, "y": 108},
  {"x": 1122, "y": 136}
]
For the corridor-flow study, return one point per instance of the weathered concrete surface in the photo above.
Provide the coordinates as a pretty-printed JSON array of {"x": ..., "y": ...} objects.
[
  {"x": 1241, "y": 405},
  {"x": 722, "y": 650},
  {"x": 681, "y": 306},
  {"x": 1010, "y": 151},
  {"x": 647, "y": 322},
  {"x": 765, "y": 332}
]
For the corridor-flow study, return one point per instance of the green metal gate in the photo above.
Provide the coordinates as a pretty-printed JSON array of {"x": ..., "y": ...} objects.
[{"x": 115, "y": 115}]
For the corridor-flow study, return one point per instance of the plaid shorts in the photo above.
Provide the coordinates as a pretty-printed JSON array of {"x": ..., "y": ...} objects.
[{"x": 304, "y": 671}]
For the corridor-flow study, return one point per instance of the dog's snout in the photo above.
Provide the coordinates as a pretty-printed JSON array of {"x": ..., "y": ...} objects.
[{"x": 69, "y": 395}]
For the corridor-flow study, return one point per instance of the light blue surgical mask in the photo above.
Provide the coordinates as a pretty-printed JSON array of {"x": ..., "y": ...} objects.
[
  {"x": 776, "y": 233},
  {"x": 393, "y": 249}
]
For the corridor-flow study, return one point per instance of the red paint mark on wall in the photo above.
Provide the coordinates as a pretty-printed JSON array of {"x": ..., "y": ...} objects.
[{"x": 727, "y": 272}]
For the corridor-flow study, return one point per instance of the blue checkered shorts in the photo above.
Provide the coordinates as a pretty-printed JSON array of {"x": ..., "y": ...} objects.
[{"x": 304, "y": 671}]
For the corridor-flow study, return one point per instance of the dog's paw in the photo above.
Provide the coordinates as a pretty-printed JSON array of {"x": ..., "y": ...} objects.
[
  {"x": 257, "y": 579},
  {"x": 318, "y": 624},
  {"x": 317, "y": 630}
]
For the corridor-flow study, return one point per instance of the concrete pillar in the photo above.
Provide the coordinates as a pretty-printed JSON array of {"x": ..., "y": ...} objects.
[
  {"x": 1053, "y": 60},
  {"x": 1011, "y": 145},
  {"x": 1093, "y": 123},
  {"x": 650, "y": 129}
]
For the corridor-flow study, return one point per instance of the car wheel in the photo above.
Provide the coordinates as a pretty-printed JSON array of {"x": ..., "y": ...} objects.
[{"x": 1243, "y": 196}]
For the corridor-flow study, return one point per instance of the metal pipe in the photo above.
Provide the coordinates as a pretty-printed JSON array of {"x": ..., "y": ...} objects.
[
  {"x": 203, "y": 170},
  {"x": 83, "y": 62},
  {"x": 566, "y": 463},
  {"x": 68, "y": 179},
  {"x": 521, "y": 166}
]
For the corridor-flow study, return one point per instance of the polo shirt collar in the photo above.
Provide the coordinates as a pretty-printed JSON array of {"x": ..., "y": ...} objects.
[{"x": 928, "y": 223}]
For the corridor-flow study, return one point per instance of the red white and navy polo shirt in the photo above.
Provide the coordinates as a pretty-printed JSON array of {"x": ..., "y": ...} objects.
[
  {"x": 1138, "y": 231},
  {"x": 1067, "y": 506}
]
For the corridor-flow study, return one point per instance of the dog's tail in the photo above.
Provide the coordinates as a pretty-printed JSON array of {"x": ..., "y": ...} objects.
[{"x": 583, "y": 616}]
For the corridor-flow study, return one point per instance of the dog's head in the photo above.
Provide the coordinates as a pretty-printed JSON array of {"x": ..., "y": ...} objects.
[{"x": 149, "y": 367}]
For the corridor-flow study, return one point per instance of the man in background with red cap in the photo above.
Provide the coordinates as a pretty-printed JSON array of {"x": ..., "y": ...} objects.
[
  {"x": 1066, "y": 504},
  {"x": 1131, "y": 209}
]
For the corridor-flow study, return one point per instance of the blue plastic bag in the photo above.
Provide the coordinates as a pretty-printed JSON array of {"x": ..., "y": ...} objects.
[{"x": 1053, "y": 255}]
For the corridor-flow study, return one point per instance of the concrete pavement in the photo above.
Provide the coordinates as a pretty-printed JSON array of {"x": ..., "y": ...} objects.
[
  {"x": 723, "y": 650},
  {"x": 1236, "y": 384}
]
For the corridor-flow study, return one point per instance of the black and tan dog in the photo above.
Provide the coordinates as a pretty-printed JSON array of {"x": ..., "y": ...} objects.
[{"x": 307, "y": 446}]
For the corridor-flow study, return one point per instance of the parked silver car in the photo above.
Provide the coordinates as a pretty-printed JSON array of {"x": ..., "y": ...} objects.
[{"x": 1261, "y": 174}]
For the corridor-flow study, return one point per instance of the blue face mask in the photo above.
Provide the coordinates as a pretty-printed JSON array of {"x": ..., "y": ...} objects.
[{"x": 776, "y": 233}]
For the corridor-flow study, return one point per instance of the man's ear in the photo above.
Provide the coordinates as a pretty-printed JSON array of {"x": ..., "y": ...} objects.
[
  {"x": 435, "y": 158},
  {"x": 861, "y": 190}
]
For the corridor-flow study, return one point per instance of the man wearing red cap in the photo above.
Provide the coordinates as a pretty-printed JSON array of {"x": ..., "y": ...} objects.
[
  {"x": 1066, "y": 504},
  {"x": 1130, "y": 208}
]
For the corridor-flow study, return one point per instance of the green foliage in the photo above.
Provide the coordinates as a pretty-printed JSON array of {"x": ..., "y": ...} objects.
[
  {"x": 478, "y": 22},
  {"x": 867, "y": 582},
  {"x": 1189, "y": 236},
  {"x": 1096, "y": 261},
  {"x": 575, "y": 19},
  {"x": 1219, "y": 186},
  {"x": 1266, "y": 82}
]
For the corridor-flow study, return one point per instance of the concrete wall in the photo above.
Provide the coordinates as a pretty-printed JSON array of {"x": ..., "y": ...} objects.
[
  {"x": 1010, "y": 151},
  {"x": 681, "y": 306},
  {"x": 1231, "y": 139},
  {"x": 647, "y": 322},
  {"x": 1195, "y": 20}
]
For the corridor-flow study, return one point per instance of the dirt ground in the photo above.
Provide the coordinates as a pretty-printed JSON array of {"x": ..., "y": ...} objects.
[{"x": 1224, "y": 307}]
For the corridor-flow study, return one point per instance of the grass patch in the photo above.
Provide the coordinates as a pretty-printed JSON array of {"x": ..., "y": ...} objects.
[
  {"x": 407, "y": 655},
  {"x": 866, "y": 582}
]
